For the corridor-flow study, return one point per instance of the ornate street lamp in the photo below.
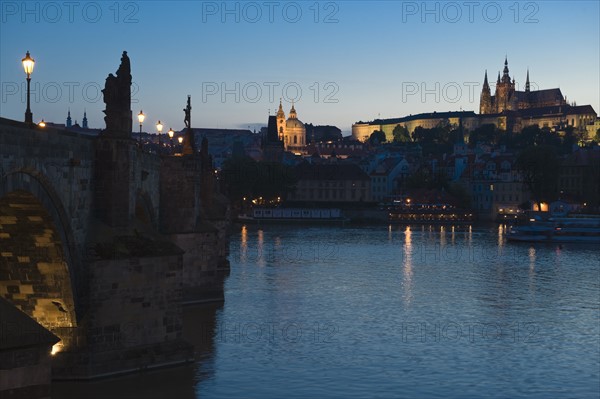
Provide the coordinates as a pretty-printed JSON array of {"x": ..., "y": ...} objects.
[
  {"x": 42, "y": 123},
  {"x": 28, "y": 64},
  {"x": 159, "y": 128},
  {"x": 141, "y": 118},
  {"x": 180, "y": 140},
  {"x": 171, "y": 133}
]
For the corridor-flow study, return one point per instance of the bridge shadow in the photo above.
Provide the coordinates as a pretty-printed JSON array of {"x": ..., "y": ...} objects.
[{"x": 199, "y": 328}]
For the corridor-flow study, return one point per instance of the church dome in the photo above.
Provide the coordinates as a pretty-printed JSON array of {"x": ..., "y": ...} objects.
[
  {"x": 294, "y": 134},
  {"x": 293, "y": 123}
]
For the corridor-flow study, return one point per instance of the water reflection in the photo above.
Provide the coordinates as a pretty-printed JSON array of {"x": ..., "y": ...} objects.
[
  {"x": 244, "y": 243},
  {"x": 408, "y": 272},
  {"x": 176, "y": 382},
  {"x": 532, "y": 262},
  {"x": 261, "y": 248}
]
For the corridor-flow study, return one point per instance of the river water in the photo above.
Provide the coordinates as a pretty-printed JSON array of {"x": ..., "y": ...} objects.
[{"x": 388, "y": 311}]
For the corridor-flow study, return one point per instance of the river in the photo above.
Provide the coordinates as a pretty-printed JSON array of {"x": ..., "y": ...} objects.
[{"x": 388, "y": 311}]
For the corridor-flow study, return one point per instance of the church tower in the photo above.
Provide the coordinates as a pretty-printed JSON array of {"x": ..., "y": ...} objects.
[
  {"x": 527, "y": 82},
  {"x": 84, "y": 122},
  {"x": 505, "y": 91},
  {"x": 280, "y": 122},
  {"x": 485, "y": 101},
  {"x": 69, "y": 120}
]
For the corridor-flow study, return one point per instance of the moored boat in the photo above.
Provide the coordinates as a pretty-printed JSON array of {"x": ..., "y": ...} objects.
[
  {"x": 293, "y": 215},
  {"x": 585, "y": 229}
]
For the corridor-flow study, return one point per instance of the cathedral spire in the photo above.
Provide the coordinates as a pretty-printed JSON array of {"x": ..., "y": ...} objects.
[
  {"x": 69, "y": 120},
  {"x": 498, "y": 82},
  {"x": 505, "y": 75},
  {"x": 527, "y": 82},
  {"x": 486, "y": 85},
  {"x": 84, "y": 122}
]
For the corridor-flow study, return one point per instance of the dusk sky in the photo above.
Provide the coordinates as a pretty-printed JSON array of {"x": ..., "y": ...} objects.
[{"x": 341, "y": 61}]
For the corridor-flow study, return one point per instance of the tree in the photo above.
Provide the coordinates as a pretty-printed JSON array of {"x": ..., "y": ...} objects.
[
  {"x": 485, "y": 134},
  {"x": 572, "y": 137},
  {"x": 425, "y": 178},
  {"x": 245, "y": 177},
  {"x": 533, "y": 135},
  {"x": 239, "y": 177},
  {"x": 462, "y": 195},
  {"x": 377, "y": 137},
  {"x": 434, "y": 141},
  {"x": 401, "y": 134},
  {"x": 539, "y": 166}
]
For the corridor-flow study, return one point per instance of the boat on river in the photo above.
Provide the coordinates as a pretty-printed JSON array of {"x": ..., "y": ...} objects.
[
  {"x": 583, "y": 228},
  {"x": 293, "y": 215}
]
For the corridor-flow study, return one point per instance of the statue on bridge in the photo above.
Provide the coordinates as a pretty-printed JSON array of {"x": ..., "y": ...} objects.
[
  {"x": 117, "y": 97},
  {"x": 188, "y": 113},
  {"x": 189, "y": 144}
]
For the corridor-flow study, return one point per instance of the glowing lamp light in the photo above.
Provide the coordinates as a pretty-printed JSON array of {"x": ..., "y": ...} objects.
[
  {"x": 171, "y": 133},
  {"x": 42, "y": 123},
  {"x": 159, "y": 127},
  {"x": 180, "y": 139},
  {"x": 56, "y": 348},
  {"x": 28, "y": 64},
  {"x": 141, "y": 117}
]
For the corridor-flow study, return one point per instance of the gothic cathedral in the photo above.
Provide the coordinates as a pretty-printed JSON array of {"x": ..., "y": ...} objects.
[{"x": 507, "y": 98}]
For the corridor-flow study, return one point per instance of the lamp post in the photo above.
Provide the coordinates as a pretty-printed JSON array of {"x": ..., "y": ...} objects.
[
  {"x": 141, "y": 118},
  {"x": 180, "y": 140},
  {"x": 28, "y": 64},
  {"x": 171, "y": 133},
  {"x": 159, "y": 127}
]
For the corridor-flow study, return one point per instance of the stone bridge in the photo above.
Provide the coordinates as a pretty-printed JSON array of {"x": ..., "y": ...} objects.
[{"x": 102, "y": 243}]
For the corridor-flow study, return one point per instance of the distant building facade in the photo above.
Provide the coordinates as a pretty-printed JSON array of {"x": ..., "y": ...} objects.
[
  {"x": 362, "y": 130},
  {"x": 336, "y": 182}
]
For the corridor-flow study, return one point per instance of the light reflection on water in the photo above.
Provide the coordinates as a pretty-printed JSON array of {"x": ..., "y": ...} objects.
[
  {"x": 406, "y": 311},
  {"x": 397, "y": 311}
]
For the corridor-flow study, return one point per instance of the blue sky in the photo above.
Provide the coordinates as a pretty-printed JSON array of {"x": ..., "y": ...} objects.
[{"x": 340, "y": 61}]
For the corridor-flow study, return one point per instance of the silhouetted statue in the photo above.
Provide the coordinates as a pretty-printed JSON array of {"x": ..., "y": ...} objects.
[
  {"x": 188, "y": 113},
  {"x": 117, "y": 97},
  {"x": 189, "y": 145}
]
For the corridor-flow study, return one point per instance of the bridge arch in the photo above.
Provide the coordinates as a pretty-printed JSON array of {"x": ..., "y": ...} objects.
[{"x": 38, "y": 258}]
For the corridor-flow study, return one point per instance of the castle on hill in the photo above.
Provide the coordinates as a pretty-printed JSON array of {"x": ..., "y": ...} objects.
[
  {"x": 508, "y": 109},
  {"x": 507, "y": 98}
]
